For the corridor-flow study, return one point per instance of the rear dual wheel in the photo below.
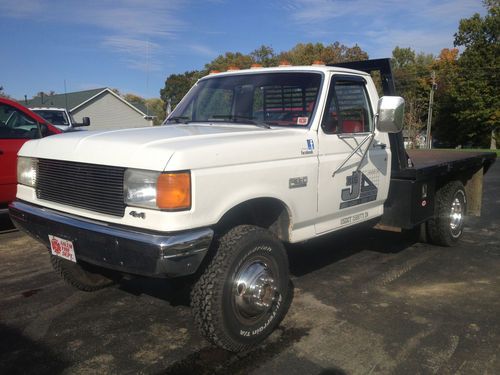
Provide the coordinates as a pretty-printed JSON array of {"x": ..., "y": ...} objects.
[{"x": 446, "y": 227}]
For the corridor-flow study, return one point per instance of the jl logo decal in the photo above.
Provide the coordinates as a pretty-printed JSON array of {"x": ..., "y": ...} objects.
[{"x": 361, "y": 190}]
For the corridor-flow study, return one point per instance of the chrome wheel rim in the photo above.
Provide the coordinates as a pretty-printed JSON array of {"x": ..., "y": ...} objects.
[
  {"x": 457, "y": 214},
  {"x": 254, "y": 289}
]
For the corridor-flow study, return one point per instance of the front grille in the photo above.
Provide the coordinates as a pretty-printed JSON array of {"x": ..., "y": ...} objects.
[{"x": 93, "y": 187}]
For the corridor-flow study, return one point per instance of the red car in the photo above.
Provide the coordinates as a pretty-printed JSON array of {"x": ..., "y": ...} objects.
[{"x": 17, "y": 125}]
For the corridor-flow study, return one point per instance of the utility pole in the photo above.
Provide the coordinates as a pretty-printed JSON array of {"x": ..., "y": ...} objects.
[{"x": 429, "y": 112}]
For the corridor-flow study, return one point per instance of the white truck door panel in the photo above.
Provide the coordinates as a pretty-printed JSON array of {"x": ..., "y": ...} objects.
[{"x": 355, "y": 191}]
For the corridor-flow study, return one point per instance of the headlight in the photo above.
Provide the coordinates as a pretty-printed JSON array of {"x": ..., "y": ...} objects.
[
  {"x": 27, "y": 170},
  {"x": 168, "y": 191}
]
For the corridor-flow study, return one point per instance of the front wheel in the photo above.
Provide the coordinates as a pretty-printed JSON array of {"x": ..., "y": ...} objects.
[
  {"x": 245, "y": 291},
  {"x": 446, "y": 227},
  {"x": 83, "y": 276}
]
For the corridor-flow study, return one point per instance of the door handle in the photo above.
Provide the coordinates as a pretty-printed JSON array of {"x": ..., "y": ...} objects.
[
  {"x": 1, "y": 152},
  {"x": 380, "y": 144}
]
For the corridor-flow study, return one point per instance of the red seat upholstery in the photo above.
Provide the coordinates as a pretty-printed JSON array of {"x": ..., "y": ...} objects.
[{"x": 352, "y": 126}]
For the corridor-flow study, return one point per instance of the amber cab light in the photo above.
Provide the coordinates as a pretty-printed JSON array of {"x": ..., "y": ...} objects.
[{"x": 174, "y": 191}]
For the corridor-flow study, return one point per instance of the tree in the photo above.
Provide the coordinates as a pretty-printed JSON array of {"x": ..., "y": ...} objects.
[
  {"x": 412, "y": 74},
  {"x": 475, "y": 99},
  {"x": 447, "y": 76},
  {"x": 177, "y": 85},
  {"x": 230, "y": 59},
  {"x": 135, "y": 100},
  {"x": 3, "y": 94},
  {"x": 306, "y": 54},
  {"x": 402, "y": 58},
  {"x": 156, "y": 107},
  {"x": 265, "y": 56}
]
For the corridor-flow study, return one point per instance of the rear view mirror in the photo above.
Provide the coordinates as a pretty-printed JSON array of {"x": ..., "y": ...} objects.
[{"x": 391, "y": 110}]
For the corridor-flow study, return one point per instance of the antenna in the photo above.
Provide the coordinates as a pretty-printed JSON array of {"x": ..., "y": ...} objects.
[
  {"x": 147, "y": 74},
  {"x": 65, "y": 96}
]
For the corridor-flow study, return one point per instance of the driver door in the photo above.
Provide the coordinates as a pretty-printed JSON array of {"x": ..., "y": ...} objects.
[{"x": 352, "y": 170}]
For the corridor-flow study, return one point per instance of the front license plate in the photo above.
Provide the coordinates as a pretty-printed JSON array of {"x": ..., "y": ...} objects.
[{"x": 62, "y": 248}]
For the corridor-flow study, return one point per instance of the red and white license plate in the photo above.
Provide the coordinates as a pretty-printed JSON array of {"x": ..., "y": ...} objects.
[{"x": 62, "y": 248}]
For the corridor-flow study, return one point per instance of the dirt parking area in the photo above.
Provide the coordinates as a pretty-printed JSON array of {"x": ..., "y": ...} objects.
[{"x": 366, "y": 302}]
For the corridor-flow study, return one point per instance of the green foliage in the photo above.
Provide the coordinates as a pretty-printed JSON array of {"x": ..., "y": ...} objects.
[
  {"x": 412, "y": 76},
  {"x": 230, "y": 59},
  {"x": 177, "y": 85},
  {"x": 265, "y": 56},
  {"x": 154, "y": 106},
  {"x": 473, "y": 104},
  {"x": 306, "y": 54}
]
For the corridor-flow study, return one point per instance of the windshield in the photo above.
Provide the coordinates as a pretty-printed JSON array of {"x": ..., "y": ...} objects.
[
  {"x": 275, "y": 98},
  {"x": 54, "y": 117}
]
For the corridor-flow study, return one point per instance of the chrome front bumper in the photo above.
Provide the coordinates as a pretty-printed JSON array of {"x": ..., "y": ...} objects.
[{"x": 124, "y": 249}]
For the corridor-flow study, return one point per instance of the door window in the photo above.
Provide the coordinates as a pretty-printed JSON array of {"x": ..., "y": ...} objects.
[
  {"x": 348, "y": 109},
  {"x": 14, "y": 124}
]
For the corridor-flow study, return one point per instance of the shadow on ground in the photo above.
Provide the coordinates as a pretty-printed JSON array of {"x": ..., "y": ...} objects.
[{"x": 21, "y": 355}]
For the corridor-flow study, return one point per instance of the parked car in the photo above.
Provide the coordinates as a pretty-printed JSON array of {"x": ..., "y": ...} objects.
[
  {"x": 60, "y": 118},
  {"x": 17, "y": 125}
]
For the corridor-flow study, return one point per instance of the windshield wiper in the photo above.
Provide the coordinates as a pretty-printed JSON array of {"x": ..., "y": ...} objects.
[
  {"x": 179, "y": 119},
  {"x": 247, "y": 120}
]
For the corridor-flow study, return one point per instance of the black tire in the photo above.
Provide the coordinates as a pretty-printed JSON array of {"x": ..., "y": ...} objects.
[
  {"x": 446, "y": 227},
  {"x": 83, "y": 276},
  {"x": 222, "y": 307}
]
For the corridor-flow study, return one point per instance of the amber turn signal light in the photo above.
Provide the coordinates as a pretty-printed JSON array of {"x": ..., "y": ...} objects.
[{"x": 173, "y": 191}]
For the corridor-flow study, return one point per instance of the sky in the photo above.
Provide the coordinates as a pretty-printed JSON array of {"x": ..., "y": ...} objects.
[{"x": 134, "y": 45}]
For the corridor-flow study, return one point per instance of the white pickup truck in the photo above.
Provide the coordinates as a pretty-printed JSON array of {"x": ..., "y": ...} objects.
[
  {"x": 249, "y": 160},
  {"x": 60, "y": 118}
]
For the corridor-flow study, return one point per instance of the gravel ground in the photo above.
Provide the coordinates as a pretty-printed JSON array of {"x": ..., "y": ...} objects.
[{"x": 366, "y": 302}]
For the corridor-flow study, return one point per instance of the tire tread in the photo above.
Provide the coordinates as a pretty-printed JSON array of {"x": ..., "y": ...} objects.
[
  {"x": 207, "y": 291},
  {"x": 438, "y": 230}
]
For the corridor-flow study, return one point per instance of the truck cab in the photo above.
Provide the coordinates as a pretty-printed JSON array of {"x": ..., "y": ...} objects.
[{"x": 60, "y": 118}]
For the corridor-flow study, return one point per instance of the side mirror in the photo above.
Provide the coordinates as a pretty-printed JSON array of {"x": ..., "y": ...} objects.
[
  {"x": 85, "y": 122},
  {"x": 391, "y": 110}
]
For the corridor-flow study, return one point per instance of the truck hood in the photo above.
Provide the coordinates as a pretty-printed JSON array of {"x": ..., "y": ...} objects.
[{"x": 172, "y": 147}]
